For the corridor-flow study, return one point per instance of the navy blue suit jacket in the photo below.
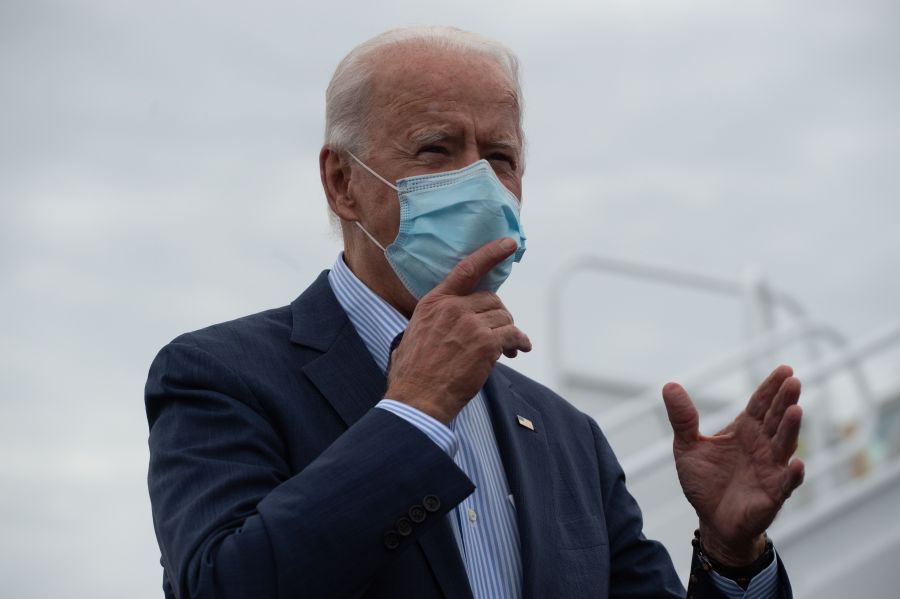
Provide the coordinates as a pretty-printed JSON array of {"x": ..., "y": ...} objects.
[{"x": 271, "y": 475}]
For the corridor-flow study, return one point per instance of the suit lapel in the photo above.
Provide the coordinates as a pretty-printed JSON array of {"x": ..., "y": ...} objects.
[
  {"x": 352, "y": 383},
  {"x": 347, "y": 376},
  {"x": 344, "y": 373},
  {"x": 524, "y": 453}
]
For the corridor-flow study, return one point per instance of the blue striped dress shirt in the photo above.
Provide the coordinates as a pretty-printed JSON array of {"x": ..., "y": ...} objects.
[{"x": 484, "y": 524}]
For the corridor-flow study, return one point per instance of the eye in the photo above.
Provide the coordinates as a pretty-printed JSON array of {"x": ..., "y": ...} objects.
[
  {"x": 509, "y": 159},
  {"x": 434, "y": 149}
]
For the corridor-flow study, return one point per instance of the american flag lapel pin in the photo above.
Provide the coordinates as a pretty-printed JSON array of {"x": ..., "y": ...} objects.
[{"x": 525, "y": 422}]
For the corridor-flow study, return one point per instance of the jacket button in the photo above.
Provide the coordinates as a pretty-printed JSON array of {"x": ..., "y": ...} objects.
[
  {"x": 417, "y": 514},
  {"x": 391, "y": 540},
  {"x": 431, "y": 503},
  {"x": 404, "y": 527}
]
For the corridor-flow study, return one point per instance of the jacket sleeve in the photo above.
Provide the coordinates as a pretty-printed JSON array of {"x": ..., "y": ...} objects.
[
  {"x": 701, "y": 584},
  {"x": 233, "y": 520},
  {"x": 639, "y": 566}
]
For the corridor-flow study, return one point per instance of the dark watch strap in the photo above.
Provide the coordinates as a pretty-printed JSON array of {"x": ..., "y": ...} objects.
[{"x": 741, "y": 575}]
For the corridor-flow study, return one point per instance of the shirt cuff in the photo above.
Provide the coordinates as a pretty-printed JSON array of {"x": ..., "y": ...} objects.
[
  {"x": 442, "y": 436},
  {"x": 764, "y": 585}
]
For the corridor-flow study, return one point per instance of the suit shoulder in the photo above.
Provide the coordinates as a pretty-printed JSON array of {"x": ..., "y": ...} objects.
[
  {"x": 240, "y": 336},
  {"x": 521, "y": 381}
]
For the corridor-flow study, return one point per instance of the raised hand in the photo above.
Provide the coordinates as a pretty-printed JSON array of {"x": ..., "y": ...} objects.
[
  {"x": 454, "y": 338},
  {"x": 737, "y": 479}
]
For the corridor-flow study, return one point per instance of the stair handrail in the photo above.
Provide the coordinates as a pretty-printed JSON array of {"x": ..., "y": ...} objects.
[
  {"x": 757, "y": 347},
  {"x": 659, "y": 453}
]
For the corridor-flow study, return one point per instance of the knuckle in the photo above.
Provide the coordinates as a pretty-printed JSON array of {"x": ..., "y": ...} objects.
[
  {"x": 510, "y": 337},
  {"x": 466, "y": 269},
  {"x": 493, "y": 299},
  {"x": 468, "y": 317}
]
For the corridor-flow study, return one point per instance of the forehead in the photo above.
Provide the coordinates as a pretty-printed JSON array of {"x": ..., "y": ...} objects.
[{"x": 415, "y": 87}]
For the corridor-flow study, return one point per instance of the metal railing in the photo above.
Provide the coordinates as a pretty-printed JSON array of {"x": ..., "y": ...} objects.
[
  {"x": 753, "y": 290},
  {"x": 763, "y": 302},
  {"x": 822, "y": 456}
]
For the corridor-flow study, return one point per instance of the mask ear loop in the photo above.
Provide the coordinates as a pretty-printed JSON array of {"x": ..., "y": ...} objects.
[
  {"x": 376, "y": 175},
  {"x": 383, "y": 180},
  {"x": 369, "y": 235}
]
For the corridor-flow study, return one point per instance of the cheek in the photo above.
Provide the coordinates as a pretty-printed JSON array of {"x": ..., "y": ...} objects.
[
  {"x": 387, "y": 214},
  {"x": 514, "y": 184},
  {"x": 392, "y": 220}
]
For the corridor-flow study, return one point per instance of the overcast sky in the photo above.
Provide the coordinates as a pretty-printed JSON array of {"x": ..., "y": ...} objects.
[{"x": 158, "y": 173}]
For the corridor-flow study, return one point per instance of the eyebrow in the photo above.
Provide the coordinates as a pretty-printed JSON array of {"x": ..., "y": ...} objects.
[
  {"x": 429, "y": 137},
  {"x": 434, "y": 136},
  {"x": 506, "y": 144}
]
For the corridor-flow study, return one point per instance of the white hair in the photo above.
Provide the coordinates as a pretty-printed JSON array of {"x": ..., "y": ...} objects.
[{"x": 347, "y": 114}]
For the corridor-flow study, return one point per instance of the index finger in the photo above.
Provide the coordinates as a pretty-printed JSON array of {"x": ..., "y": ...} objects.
[{"x": 468, "y": 271}]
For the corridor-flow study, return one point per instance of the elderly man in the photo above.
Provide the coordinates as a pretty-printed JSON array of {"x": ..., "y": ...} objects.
[{"x": 363, "y": 441}]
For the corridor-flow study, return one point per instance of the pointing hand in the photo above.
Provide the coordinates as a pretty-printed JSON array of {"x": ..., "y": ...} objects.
[{"x": 454, "y": 338}]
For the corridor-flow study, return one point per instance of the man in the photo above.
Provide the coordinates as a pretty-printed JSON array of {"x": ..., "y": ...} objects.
[{"x": 313, "y": 451}]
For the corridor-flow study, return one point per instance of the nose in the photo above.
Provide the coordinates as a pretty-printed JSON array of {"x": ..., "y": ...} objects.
[{"x": 469, "y": 155}]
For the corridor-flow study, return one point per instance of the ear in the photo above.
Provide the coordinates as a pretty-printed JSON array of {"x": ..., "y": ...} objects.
[{"x": 335, "y": 174}]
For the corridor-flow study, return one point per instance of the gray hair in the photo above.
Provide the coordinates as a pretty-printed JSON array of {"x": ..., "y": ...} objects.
[{"x": 347, "y": 116}]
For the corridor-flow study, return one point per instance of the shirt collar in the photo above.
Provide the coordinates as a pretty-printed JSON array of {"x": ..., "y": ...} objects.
[{"x": 375, "y": 320}]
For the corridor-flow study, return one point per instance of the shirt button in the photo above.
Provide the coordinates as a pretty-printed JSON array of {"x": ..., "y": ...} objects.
[{"x": 472, "y": 515}]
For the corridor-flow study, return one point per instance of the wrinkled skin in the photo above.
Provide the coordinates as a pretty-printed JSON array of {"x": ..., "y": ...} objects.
[
  {"x": 738, "y": 479},
  {"x": 433, "y": 111}
]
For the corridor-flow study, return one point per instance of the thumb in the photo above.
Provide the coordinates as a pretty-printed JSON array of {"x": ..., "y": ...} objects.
[
  {"x": 468, "y": 271},
  {"x": 682, "y": 414}
]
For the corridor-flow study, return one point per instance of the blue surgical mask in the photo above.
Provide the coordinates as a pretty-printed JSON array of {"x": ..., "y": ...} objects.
[{"x": 444, "y": 217}]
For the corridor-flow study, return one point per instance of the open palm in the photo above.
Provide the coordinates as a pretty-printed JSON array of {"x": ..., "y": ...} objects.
[{"x": 737, "y": 479}]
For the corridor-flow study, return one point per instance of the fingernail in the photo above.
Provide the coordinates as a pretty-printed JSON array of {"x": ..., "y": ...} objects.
[{"x": 508, "y": 244}]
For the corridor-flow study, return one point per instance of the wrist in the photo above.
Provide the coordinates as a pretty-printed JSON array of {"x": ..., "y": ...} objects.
[
  {"x": 730, "y": 553},
  {"x": 433, "y": 409},
  {"x": 743, "y": 574}
]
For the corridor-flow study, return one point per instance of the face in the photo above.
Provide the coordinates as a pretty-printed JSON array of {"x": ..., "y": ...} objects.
[{"x": 432, "y": 111}]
